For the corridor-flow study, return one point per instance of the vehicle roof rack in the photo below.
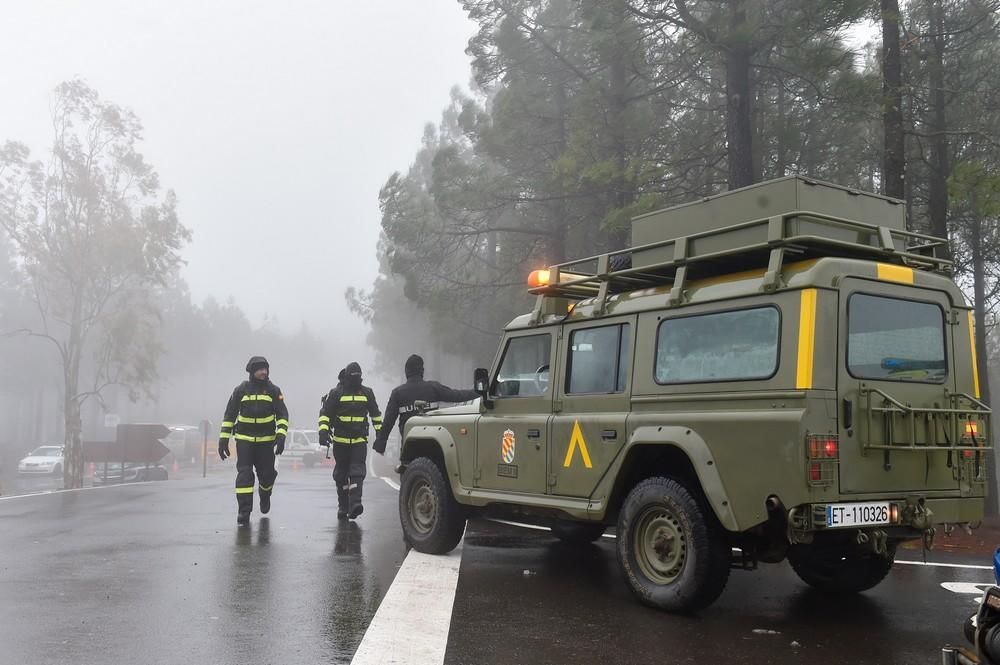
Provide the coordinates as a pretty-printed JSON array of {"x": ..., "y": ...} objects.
[{"x": 801, "y": 234}]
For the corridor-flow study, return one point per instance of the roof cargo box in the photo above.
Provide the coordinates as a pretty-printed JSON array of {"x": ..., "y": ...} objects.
[{"x": 793, "y": 194}]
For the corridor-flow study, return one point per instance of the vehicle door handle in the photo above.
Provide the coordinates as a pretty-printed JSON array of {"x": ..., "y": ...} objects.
[
  {"x": 609, "y": 434},
  {"x": 534, "y": 434}
]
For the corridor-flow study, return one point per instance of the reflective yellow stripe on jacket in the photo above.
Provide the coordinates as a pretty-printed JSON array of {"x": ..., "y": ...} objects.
[
  {"x": 353, "y": 398},
  {"x": 255, "y": 421},
  {"x": 344, "y": 439},
  {"x": 257, "y": 398},
  {"x": 255, "y": 439},
  {"x": 324, "y": 423}
]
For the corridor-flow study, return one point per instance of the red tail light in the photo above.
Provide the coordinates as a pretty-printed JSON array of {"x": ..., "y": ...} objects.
[
  {"x": 823, "y": 446},
  {"x": 815, "y": 472}
]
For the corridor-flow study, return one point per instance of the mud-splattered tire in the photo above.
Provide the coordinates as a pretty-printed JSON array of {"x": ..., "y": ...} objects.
[
  {"x": 840, "y": 570},
  {"x": 673, "y": 551},
  {"x": 577, "y": 533},
  {"x": 432, "y": 520}
]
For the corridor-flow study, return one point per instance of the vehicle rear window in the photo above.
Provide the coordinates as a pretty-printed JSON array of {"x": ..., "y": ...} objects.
[
  {"x": 895, "y": 339},
  {"x": 724, "y": 346}
]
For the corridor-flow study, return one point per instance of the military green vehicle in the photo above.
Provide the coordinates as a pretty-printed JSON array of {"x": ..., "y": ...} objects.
[{"x": 778, "y": 372}]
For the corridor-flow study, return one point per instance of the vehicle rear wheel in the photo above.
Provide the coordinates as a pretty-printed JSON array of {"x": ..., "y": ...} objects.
[
  {"x": 579, "y": 533},
  {"x": 432, "y": 520},
  {"x": 840, "y": 569},
  {"x": 672, "y": 550}
]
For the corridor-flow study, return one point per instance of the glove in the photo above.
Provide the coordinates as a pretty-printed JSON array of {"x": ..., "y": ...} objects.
[
  {"x": 379, "y": 446},
  {"x": 279, "y": 444},
  {"x": 224, "y": 448},
  {"x": 324, "y": 437}
]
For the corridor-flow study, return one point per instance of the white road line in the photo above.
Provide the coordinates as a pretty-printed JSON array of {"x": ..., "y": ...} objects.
[
  {"x": 412, "y": 622},
  {"x": 78, "y": 489},
  {"x": 944, "y": 565},
  {"x": 966, "y": 587},
  {"x": 371, "y": 472},
  {"x": 908, "y": 563}
]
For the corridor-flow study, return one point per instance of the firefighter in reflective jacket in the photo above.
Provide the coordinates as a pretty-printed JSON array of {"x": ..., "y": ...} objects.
[
  {"x": 256, "y": 416},
  {"x": 346, "y": 412},
  {"x": 403, "y": 398}
]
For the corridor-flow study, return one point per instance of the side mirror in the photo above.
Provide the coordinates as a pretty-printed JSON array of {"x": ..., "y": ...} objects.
[{"x": 481, "y": 384}]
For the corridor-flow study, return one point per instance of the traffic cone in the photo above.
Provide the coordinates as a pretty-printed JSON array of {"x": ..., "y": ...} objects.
[{"x": 295, "y": 464}]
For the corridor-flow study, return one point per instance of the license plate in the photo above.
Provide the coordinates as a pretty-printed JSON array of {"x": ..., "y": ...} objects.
[{"x": 857, "y": 514}]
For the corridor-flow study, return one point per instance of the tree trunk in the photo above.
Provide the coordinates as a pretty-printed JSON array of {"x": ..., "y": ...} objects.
[
  {"x": 894, "y": 165},
  {"x": 623, "y": 194},
  {"x": 73, "y": 453},
  {"x": 939, "y": 162},
  {"x": 739, "y": 129},
  {"x": 979, "y": 295}
]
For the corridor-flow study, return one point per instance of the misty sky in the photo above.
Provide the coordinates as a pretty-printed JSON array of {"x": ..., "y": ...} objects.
[{"x": 275, "y": 122}]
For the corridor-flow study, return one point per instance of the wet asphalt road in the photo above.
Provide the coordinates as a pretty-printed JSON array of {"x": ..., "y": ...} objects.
[
  {"x": 159, "y": 573},
  {"x": 553, "y": 603}
]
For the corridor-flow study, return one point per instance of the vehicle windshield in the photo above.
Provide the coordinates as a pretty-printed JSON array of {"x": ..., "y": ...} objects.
[
  {"x": 47, "y": 451},
  {"x": 895, "y": 340}
]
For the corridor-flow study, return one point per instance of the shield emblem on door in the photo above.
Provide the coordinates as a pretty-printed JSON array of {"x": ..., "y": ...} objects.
[{"x": 507, "y": 446}]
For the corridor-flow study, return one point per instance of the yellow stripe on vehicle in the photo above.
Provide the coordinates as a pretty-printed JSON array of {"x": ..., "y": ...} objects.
[
  {"x": 807, "y": 340},
  {"x": 891, "y": 273},
  {"x": 975, "y": 359}
]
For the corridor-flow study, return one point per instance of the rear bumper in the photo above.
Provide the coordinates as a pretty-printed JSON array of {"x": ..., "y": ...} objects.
[{"x": 918, "y": 514}]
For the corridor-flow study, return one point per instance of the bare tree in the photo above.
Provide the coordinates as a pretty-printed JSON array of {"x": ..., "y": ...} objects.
[{"x": 93, "y": 236}]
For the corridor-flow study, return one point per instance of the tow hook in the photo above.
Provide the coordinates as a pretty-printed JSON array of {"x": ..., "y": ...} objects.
[{"x": 878, "y": 540}]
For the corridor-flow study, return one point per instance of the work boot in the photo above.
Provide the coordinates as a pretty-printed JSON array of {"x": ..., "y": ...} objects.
[
  {"x": 243, "y": 519},
  {"x": 265, "y": 503},
  {"x": 355, "y": 511}
]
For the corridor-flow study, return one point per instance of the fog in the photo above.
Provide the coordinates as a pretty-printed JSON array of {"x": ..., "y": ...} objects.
[{"x": 275, "y": 124}]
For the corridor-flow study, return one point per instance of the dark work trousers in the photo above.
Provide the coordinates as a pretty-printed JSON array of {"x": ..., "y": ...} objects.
[
  {"x": 250, "y": 456},
  {"x": 349, "y": 473}
]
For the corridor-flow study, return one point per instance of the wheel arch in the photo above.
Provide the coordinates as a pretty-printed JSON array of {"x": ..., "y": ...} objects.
[{"x": 677, "y": 452}]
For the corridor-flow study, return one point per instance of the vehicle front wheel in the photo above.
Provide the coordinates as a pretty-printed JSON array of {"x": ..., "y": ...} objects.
[
  {"x": 579, "y": 533},
  {"x": 432, "y": 520},
  {"x": 840, "y": 569},
  {"x": 672, "y": 550}
]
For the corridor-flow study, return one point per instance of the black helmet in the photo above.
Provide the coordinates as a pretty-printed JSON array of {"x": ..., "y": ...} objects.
[
  {"x": 414, "y": 366},
  {"x": 352, "y": 369},
  {"x": 256, "y": 363}
]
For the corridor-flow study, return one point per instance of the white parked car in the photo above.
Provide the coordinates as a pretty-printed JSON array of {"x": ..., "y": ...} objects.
[
  {"x": 304, "y": 445},
  {"x": 42, "y": 460}
]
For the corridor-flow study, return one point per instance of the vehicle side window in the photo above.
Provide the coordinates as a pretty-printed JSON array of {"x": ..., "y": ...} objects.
[
  {"x": 524, "y": 369},
  {"x": 895, "y": 340},
  {"x": 597, "y": 360},
  {"x": 724, "y": 346}
]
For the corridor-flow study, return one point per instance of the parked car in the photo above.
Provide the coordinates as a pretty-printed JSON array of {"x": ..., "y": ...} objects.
[
  {"x": 42, "y": 460},
  {"x": 111, "y": 473},
  {"x": 303, "y": 444}
]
